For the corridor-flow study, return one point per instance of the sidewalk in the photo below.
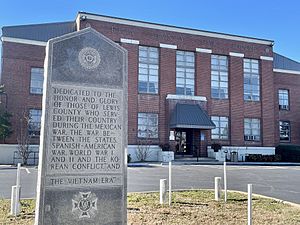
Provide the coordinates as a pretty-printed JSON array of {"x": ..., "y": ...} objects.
[{"x": 194, "y": 162}]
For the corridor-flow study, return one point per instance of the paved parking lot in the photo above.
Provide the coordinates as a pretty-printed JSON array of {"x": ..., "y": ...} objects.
[{"x": 281, "y": 182}]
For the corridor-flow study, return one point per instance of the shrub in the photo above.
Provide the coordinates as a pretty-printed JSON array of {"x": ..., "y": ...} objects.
[
  {"x": 216, "y": 147},
  {"x": 263, "y": 158},
  {"x": 288, "y": 153},
  {"x": 165, "y": 147},
  {"x": 128, "y": 158}
]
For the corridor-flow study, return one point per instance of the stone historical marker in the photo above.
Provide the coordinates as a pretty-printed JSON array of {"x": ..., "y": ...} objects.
[{"x": 82, "y": 171}]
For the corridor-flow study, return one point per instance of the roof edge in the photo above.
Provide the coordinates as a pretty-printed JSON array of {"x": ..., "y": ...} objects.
[
  {"x": 295, "y": 72},
  {"x": 23, "y": 41},
  {"x": 173, "y": 28}
]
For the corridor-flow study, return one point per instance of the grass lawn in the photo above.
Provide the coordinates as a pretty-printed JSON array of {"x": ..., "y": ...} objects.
[{"x": 188, "y": 207}]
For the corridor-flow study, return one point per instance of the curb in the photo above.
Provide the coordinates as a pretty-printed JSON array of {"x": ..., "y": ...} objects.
[
  {"x": 232, "y": 191},
  {"x": 268, "y": 197},
  {"x": 13, "y": 167},
  {"x": 7, "y": 167},
  {"x": 174, "y": 163}
]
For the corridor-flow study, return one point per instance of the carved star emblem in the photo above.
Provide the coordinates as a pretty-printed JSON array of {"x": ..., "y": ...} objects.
[{"x": 84, "y": 204}]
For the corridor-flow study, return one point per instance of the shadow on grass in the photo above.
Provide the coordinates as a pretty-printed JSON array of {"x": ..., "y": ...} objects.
[
  {"x": 191, "y": 204},
  {"x": 241, "y": 200}
]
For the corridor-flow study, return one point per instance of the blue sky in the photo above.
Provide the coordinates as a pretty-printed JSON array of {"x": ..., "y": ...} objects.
[{"x": 277, "y": 20}]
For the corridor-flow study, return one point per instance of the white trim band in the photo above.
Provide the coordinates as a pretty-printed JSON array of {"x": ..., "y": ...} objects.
[
  {"x": 167, "y": 46},
  {"x": 204, "y": 50},
  {"x": 174, "y": 29},
  {"x": 186, "y": 97},
  {"x": 268, "y": 58},
  {"x": 287, "y": 71},
  {"x": 129, "y": 41},
  {"x": 237, "y": 54},
  {"x": 23, "y": 41}
]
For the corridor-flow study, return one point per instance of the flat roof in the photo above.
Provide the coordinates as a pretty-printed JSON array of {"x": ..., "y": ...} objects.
[{"x": 158, "y": 26}]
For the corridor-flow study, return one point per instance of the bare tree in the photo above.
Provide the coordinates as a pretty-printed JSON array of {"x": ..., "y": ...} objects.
[
  {"x": 143, "y": 150},
  {"x": 24, "y": 137}
]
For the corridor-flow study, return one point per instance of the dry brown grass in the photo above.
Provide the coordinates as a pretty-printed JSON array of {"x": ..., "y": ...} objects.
[
  {"x": 188, "y": 208},
  {"x": 198, "y": 207}
]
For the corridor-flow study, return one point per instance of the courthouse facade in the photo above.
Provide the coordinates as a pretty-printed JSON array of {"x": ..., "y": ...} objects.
[{"x": 188, "y": 88}]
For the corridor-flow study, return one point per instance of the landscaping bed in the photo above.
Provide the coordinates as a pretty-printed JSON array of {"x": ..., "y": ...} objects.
[{"x": 188, "y": 207}]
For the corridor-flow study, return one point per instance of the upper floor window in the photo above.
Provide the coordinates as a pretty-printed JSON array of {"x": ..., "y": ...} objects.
[
  {"x": 148, "y": 70},
  {"x": 285, "y": 130},
  {"x": 251, "y": 80},
  {"x": 34, "y": 125},
  {"x": 36, "y": 80},
  {"x": 283, "y": 98},
  {"x": 147, "y": 125},
  {"x": 221, "y": 130},
  {"x": 219, "y": 77},
  {"x": 251, "y": 129},
  {"x": 185, "y": 73}
]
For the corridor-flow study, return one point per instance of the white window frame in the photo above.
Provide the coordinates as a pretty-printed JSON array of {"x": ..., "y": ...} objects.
[
  {"x": 219, "y": 76},
  {"x": 285, "y": 132},
  {"x": 252, "y": 131},
  {"x": 36, "y": 80},
  {"x": 218, "y": 132},
  {"x": 185, "y": 73},
  {"x": 148, "y": 70},
  {"x": 147, "y": 129},
  {"x": 34, "y": 125},
  {"x": 251, "y": 74},
  {"x": 283, "y": 99}
]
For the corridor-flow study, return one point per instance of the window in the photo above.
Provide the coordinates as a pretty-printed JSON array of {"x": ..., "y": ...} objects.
[
  {"x": 148, "y": 70},
  {"x": 185, "y": 73},
  {"x": 283, "y": 97},
  {"x": 251, "y": 80},
  {"x": 251, "y": 129},
  {"x": 34, "y": 125},
  {"x": 36, "y": 81},
  {"x": 221, "y": 130},
  {"x": 147, "y": 125},
  {"x": 285, "y": 130},
  {"x": 219, "y": 77}
]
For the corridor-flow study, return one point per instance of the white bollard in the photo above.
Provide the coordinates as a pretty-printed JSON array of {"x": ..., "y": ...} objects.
[
  {"x": 15, "y": 202},
  {"x": 218, "y": 188},
  {"x": 249, "y": 204},
  {"x": 18, "y": 174},
  {"x": 15, "y": 194},
  {"x": 170, "y": 183},
  {"x": 162, "y": 191},
  {"x": 225, "y": 183}
]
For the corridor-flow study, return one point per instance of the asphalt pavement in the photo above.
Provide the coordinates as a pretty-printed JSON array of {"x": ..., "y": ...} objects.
[{"x": 282, "y": 182}]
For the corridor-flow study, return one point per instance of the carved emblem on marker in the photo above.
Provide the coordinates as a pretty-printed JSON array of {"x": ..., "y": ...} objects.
[
  {"x": 84, "y": 204},
  {"x": 89, "y": 58}
]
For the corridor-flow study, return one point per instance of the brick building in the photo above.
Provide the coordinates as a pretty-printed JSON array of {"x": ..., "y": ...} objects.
[{"x": 189, "y": 88}]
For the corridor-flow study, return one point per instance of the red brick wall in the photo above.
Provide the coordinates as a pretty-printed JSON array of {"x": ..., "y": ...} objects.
[
  {"x": 292, "y": 83},
  {"x": 133, "y": 52},
  {"x": 236, "y": 96},
  {"x": 167, "y": 85},
  {"x": 188, "y": 42},
  {"x": 18, "y": 59},
  {"x": 267, "y": 103},
  {"x": 16, "y": 71}
]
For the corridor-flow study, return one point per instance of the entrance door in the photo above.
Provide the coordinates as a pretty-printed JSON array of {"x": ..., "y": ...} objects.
[{"x": 184, "y": 140}]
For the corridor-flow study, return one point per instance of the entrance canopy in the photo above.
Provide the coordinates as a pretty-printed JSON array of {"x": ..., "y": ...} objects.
[{"x": 190, "y": 116}]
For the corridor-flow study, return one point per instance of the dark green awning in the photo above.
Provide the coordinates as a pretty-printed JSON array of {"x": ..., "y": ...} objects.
[{"x": 190, "y": 116}]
